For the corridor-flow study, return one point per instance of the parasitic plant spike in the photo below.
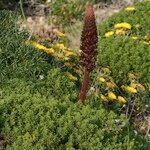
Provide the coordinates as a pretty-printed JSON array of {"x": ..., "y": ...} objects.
[{"x": 88, "y": 48}]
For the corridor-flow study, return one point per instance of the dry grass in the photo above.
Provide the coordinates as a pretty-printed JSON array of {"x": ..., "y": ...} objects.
[{"x": 39, "y": 25}]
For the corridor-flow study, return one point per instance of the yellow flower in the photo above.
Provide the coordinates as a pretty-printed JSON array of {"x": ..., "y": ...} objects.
[
  {"x": 130, "y": 8},
  {"x": 130, "y": 90},
  {"x": 71, "y": 77},
  {"x": 59, "y": 46},
  {"x": 134, "y": 37},
  {"x": 108, "y": 34},
  {"x": 38, "y": 46},
  {"x": 43, "y": 48},
  {"x": 120, "y": 32},
  {"x": 49, "y": 51},
  {"x": 103, "y": 98},
  {"x": 122, "y": 99},
  {"x": 101, "y": 79},
  {"x": 69, "y": 53},
  {"x": 123, "y": 25},
  {"x": 66, "y": 58},
  {"x": 111, "y": 96},
  {"x": 60, "y": 34}
]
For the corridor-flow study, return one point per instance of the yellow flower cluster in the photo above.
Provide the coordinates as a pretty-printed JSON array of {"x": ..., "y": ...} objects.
[
  {"x": 124, "y": 28},
  {"x": 123, "y": 25},
  {"x": 63, "y": 52},
  {"x": 122, "y": 99},
  {"x": 101, "y": 79},
  {"x": 42, "y": 48},
  {"x": 58, "y": 50},
  {"x": 130, "y": 8},
  {"x": 112, "y": 97},
  {"x": 69, "y": 53},
  {"x": 105, "y": 79},
  {"x": 120, "y": 32},
  {"x": 129, "y": 89},
  {"x": 134, "y": 86},
  {"x": 108, "y": 34},
  {"x": 119, "y": 29},
  {"x": 108, "y": 88},
  {"x": 108, "y": 84},
  {"x": 59, "y": 46}
]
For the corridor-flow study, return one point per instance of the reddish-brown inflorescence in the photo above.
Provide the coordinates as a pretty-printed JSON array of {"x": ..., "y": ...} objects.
[{"x": 88, "y": 48}]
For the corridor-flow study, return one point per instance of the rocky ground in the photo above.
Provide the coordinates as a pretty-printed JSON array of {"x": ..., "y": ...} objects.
[{"x": 37, "y": 22}]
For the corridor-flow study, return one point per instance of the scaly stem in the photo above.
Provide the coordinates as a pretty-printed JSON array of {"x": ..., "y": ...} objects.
[{"x": 84, "y": 87}]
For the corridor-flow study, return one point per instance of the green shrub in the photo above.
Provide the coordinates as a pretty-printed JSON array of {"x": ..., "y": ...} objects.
[
  {"x": 67, "y": 12},
  {"x": 35, "y": 121},
  {"x": 122, "y": 53},
  {"x": 70, "y": 11},
  {"x": 18, "y": 59}
]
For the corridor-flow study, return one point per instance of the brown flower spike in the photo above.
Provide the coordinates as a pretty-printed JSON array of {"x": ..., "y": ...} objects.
[{"x": 88, "y": 48}]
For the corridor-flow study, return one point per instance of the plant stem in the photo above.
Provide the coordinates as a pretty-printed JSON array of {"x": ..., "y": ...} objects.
[
  {"x": 84, "y": 87},
  {"x": 22, "y": 11}
]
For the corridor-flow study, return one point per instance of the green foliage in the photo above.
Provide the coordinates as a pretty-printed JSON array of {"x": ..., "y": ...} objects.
[
  {"x": 70, "y": 11},
  {"x": 42, "y": 113},
  {"x": 122, "y": 53},
  {"x": 18, "y": 59},
  {"x": 67, "y": 12},
  {"x": 35, "y": 121}
]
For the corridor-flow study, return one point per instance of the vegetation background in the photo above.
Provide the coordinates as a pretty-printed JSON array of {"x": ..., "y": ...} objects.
[{"x": 40, "y": 78}]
